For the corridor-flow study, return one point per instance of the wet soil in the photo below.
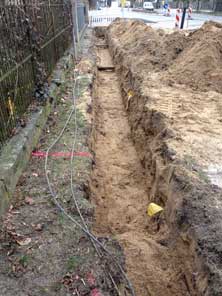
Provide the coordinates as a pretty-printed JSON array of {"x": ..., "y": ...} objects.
[{"x": 119, "y": 189}]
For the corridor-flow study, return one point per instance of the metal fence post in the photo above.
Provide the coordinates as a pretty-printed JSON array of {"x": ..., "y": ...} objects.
[
  {"x": 74, "y": 43},
  {"x": 53, "y": 30},
  {"x": 28, "y": 20},
  {"x": 75, "y": 20},
  {"x": 87, "y": 13}
]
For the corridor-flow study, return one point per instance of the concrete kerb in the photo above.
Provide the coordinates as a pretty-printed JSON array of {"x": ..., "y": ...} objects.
[{"x": 15, "y": 155}]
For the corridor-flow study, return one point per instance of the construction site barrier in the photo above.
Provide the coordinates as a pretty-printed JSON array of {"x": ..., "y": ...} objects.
[
  {"x": 101, "y": 20},
  {"x": 189, "y": 13},
  {"x": 177, "y": 22}
]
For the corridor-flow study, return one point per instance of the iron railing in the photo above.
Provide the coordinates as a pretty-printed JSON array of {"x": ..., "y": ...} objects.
[{"x": 34, "y": 34}]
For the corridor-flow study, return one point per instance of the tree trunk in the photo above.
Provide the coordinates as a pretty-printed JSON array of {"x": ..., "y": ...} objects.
[
  {"x": 198, "y": 5},
  {"x": 218, "y": 5},
  {"x": 92, "y": 4}
]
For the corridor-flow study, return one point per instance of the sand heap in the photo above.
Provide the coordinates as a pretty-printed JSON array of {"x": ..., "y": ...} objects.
[
  {"x": 200, "y": 64},
  {"x": 171, "y": 89},
  {"x": 194, "y": 59}
]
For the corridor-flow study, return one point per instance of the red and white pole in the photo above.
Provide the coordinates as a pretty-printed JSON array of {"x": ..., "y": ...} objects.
[
  {"x": 190, "y": 13},
  {"x": 168, "y": 11},
  {"x": 189, "y": 17},
  {"x": 177, "y": 22}
]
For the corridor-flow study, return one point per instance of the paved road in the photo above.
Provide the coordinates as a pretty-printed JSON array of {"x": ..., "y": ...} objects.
[{"x": 157, "y": 19}]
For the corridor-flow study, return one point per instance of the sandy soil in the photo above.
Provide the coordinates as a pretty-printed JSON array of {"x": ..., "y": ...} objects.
[
  {"x": 119, "y": 189},
  {"x": 195, "y": 116},
  {"x": 178, "y": 74},
  {"x": 173, "y": 102},
  {"x": 156, "y": 136}
]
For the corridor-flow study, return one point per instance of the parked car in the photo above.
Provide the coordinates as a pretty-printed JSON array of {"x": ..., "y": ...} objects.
[
  {"x": 148, "y": 6},
  {"x": 156, "y": 4}
]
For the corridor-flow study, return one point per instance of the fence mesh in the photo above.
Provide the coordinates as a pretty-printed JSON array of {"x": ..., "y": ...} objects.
[{"x": 34, "y": 35}]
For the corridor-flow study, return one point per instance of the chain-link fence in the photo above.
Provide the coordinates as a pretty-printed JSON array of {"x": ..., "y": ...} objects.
[{"x": 34, "y": 35}]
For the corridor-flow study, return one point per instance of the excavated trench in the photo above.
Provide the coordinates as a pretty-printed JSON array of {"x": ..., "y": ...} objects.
[
  {"x": 165, "y": 255},
  {"x": 120, "y": 192}
]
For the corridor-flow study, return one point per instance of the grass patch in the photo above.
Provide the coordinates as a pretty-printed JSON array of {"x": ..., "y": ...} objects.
[
  {"x": 24, "y": 260},
  {"x": 61, "y": 218},
  {"x": 73, "y": 262},
  {"x": 81, "y": 121}
]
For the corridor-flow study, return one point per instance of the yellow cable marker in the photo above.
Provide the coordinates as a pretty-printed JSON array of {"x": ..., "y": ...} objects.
[
  {"x": 153, "y": 209},
  {"x": 11, "y": 107},
  {"x": 130, "y": 94}
]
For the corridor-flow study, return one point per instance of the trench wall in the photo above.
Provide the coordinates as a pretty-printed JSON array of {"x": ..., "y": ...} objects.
[{"x": 190, "y": 204}]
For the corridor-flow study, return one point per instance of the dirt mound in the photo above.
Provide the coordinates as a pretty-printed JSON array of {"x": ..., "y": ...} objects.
[
  {"x": 177, "y": 134},
  {"x": 151, "y": 49},
  {"x": 200, "y": 64},
  {"x": 193, "y": 58}
]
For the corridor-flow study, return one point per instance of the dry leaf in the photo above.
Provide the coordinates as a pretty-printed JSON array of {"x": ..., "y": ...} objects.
[
  {"x": 24, "y": 242},
  {"x": 10, "y": 252},
  {"x": 91, "y": 279},
  {"x": 29, "y": 201},
  {"x": 39, "y": 227}
]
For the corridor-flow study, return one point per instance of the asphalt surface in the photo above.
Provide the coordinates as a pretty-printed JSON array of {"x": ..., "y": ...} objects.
[{"x": 156, "y": 19}]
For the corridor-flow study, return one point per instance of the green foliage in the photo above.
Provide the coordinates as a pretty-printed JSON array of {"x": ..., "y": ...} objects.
[
  {"x": 81, "y": 122},
  {"x": 73, "y": 262},
  {"x": 61, "y": 217},
  {"x": 23, "y": 260}
]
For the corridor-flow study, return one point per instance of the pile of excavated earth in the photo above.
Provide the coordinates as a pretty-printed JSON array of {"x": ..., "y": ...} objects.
[
  {"x": 180, "y": 76},
  {"x": 171, "y": 88},
  {"x": 193, "y": 59}
]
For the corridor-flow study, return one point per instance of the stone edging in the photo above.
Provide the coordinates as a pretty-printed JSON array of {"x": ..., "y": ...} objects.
[{"x": 16, "y": 153}]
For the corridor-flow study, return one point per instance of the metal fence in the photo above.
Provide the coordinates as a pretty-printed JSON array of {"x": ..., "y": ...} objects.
[
  {"x": 101, "y": 20},
  {"x": 34, "y": 34},
  {"x": 81, "y": 15}
]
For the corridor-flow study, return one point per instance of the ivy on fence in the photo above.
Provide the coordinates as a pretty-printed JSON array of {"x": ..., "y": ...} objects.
[{"x": 34, "y": 35}]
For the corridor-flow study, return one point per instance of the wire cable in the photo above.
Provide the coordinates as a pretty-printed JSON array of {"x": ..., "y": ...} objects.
[
  {"x": 54, "y": 195},
  {"x": 71, "y": 179},
  {"x": 59, "y": 206}
]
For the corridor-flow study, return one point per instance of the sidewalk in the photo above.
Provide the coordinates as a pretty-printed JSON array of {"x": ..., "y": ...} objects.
[{"x": 155, "y": 19}]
